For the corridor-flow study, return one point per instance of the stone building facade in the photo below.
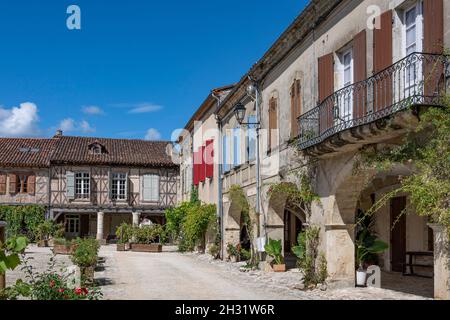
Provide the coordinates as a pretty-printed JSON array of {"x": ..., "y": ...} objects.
[
  {"x": 338, "y": 80},
  {"x": 91, "y": 185}
]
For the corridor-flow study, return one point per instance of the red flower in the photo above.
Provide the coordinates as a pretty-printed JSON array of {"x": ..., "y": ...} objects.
[
  {"x": 78, "y": 291},
  {"x": 52, "y": 284},
  {"x": 60, "y": 290},
  {"x": 85, "y": 290}
]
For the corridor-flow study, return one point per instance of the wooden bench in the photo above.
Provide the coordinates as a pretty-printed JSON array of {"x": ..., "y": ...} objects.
[{"x": 411, "y": 263}]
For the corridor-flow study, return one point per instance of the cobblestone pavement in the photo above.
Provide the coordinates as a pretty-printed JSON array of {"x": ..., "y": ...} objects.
[{"x": 172, "y": 275}]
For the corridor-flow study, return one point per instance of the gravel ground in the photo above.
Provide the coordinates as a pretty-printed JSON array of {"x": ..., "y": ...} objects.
[{"x": 172, "y": 275}]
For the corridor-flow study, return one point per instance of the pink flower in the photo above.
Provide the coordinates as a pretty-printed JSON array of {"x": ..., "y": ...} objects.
[{"x": 52, "y": 284}]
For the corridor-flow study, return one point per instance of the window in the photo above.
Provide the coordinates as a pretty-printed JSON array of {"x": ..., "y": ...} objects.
[
  {"x": 236, "y": 147},
  {"x": 413, "y": 36},
  {"x": 82, "y": 185},
  {"x": 22, "y": 183},
  {"x": 73, "y": 224},
  {"x": 345, "y": 110},
  {"x": 151, "y": 188},
  {"x": 273, "y": 124},
  {"x": 296, "y": 107},
  {"x": 119, "y": 186}
]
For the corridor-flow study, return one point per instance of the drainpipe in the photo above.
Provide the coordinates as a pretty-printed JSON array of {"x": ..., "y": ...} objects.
[{"x": 219, "y": 177}]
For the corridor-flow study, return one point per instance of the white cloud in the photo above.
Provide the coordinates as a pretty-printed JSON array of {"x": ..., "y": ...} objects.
[
  {"x": 145, "y": 108},
  {"x": 70, "y": 125},
  {"x": 19, "y": 121},
  {"x": 93, "y": 110},
  {"x": 153, "y": 134}
]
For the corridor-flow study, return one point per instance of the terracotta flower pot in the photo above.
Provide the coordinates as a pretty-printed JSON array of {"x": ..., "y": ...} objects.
[
  {"x": 139, "y": 247},
  {"x": 122, "y": 247},
  {"x": 42, "y": 243},
  {"x": 87, "y": 275},
  {"x": 279, "y": 268},
  {"x": 63, "y": 249}
]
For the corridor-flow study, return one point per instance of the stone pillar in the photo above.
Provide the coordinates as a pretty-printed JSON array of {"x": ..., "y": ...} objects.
[
  {"x": 441, "y": 262},
  {"x": 136, "y": 217},
  {"x": 340, "y": 254},
  {"x": 100, "y": 218}
]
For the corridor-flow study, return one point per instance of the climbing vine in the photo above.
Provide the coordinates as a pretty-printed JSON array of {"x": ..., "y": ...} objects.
[
  {"x": 23, "y": 220},
  {"x": 426, "y": 151}
]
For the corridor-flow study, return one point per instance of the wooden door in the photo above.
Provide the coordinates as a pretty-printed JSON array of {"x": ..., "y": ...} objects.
[{"x": 398, "y": 234}]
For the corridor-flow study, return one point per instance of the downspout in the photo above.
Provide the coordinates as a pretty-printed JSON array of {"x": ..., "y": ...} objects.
[{"x": 220, "y": 213}]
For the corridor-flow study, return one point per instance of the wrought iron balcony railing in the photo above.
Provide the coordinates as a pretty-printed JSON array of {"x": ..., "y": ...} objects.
[{"x": 418, "y": 79}]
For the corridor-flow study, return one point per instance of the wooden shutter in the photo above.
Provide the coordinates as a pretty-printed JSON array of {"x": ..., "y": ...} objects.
[
  {"x": 70, "y": 185},
  {"x": 126, "y": 186},
  {"x": 13, "y": 181},
  {"x": 209, "y": 158},
  {"x": 382, "y": 59},
  {"x": 273, "y": 125},
  {"x": 433, "y": 15},
  {"x": 326, "y": 89},
  {"x": 202, "y": 167},
  {"x": 155, "y": 187},
  {"x": 31, "y": 184},
  {"x": 360, "y": 74},
  {"x": 296, "y": 107},
  {"x": 2, "y": 183}
]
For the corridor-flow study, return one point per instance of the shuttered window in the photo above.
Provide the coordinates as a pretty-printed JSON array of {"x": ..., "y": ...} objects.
[
  {"x": 296, "y": 107},
  {"x": 31, "y": 184},
  {"x": 360, "y": 74},
  {"x": 226, "y": 153},
  {"x": 209, "y": 158},
  {"x": 70, "y": 185},
  {"x": 251, "y": 139},
  {"x": 2, "y": 183},
  {"x": 151, "y": 187},
  {"x": 273, "y": 124},
  {"x": 236, "y": 147},
  {"x": 326, "y": 89},
  {"x": 82, "y": 185},
  {"x": 12, "y": 183}
]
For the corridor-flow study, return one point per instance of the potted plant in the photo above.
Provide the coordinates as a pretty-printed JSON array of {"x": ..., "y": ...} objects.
[
  {"x": 62, "y": 246},
  {"x": 273, "y": 249},
  {"x": 124, "y": 234},
  {"x": 367, "y": 245},
  {"x": 234, "y": 252},
  {"x": 85, "y": 256},
  {"x": 148, "y": 238}
]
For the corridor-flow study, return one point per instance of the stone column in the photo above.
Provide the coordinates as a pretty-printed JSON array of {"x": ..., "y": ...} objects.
[
  {"x": 340, "y": 254},
  {"x": 441, "y": 262},
  {"x": 100, "y": 218},
  {"x": 136, "y": 217}
]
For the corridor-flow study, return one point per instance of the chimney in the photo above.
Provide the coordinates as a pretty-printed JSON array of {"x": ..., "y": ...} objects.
[{"x": 59, "y": 133}]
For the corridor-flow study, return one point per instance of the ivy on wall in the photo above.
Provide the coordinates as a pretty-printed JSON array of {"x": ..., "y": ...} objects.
[
  {"x": 22, "y": 220},
  {"x": 426, "y": 150}
]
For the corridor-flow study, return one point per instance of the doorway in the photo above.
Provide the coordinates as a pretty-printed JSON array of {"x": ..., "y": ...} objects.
[
  {"x": 398, "y": 234},
  {"x": 292, "y": 227}
]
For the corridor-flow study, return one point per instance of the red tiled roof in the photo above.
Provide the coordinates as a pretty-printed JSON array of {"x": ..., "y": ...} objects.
[
  {"x": 75, "y": 151},
  {"x": 15, "y": 152}
]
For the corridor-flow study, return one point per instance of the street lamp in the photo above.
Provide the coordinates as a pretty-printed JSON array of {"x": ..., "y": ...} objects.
[{"x": 239, "y": 112}]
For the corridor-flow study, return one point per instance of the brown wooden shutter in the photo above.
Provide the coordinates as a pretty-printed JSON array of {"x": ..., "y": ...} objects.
[
  {"x": 433, "y": 14},
  {"x": 296, "y": 107},
  {"x": 2, "y": 183},
  {"x": 326, "y": 89},
  {"x": 360, "y": 74},
  {"x": 382, "y": 59},
  {"x": 272, "y": 120},
  {"x": 12, "y": 183},
  {"x": 31, "y": 184}
]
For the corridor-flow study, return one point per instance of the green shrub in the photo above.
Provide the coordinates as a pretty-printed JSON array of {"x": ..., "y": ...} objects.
[
  {"x": 149, "y": 234},
  {"x": 175, "y": 218},
  {"x": 22, "y": 220},
  {"x": 214, "y": 250},
  {"x": 124, "y": 233},
  {"x": 196, "y": 224},
  {"x": 48, "y": 229},
  {"x": 85, "y": 253}
]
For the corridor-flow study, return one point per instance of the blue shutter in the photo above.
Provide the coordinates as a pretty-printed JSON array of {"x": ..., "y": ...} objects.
[
  {"x": 155, "y": 188},
  {"x": 146, "y": 188},
  {"x": 236, "y": 147},
  {"x": 251, "y": 139},
  {"x": 70, "y": 185},
  {"x": 226, "y": 166}
]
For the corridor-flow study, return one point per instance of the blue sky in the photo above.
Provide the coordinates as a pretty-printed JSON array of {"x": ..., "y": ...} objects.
[{"x": 136, "y": 69}]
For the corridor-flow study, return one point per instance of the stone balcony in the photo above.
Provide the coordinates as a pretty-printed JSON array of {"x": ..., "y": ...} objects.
[{"x": 377, "y": 109}]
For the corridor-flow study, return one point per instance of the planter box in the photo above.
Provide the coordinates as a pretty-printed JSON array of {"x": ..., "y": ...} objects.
[
  {"x": 123, "y": 247},
  {"x": 137, "y": 247},
  {"x": 87, "y": 275},
  {"x": 279, "y": 268},
  {"x": 62, "y": 249}
]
